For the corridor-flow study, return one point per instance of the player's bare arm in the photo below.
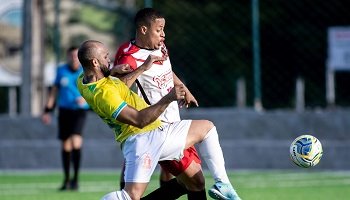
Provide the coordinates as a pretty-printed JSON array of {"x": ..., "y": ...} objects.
[
  {"x": 129, "y": 78},
  {"x": 189, "y": 98},
  {"x": 46, "y": 117},
  {"x": 120, "y": 70},
  {"x": 140, "y": 119}
]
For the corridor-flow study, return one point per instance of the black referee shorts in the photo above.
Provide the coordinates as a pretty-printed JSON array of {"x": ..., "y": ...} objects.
[{"x": 70, "y": 122}]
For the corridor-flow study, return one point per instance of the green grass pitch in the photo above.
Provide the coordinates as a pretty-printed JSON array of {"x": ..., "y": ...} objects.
[{"x": 251, "y": 185}]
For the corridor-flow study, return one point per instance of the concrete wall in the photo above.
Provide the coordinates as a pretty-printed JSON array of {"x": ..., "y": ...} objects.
[{"x": 249, "y": 140}]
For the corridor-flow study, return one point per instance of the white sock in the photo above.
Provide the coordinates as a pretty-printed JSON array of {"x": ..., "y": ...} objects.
[
  {"x": 117, "y": 195},
  {"x": 211, "y": 152}
]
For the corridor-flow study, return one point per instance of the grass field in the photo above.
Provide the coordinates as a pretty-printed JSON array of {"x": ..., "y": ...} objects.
[{"x": 251, "y": 185}]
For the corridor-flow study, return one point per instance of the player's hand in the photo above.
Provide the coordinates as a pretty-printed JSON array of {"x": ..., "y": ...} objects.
[
  {"x": 178, "y": 92},
  {"x": 81, "y": 101},
  {"x": 120, "y": 69},
  {"x": 188, "y": 100},
  {"x": 46, "y": 118},
  {"x": 150, "y": 60}
]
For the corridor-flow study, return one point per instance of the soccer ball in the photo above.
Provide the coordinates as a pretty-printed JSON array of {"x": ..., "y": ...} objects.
[{"x": 306, "y": 151}]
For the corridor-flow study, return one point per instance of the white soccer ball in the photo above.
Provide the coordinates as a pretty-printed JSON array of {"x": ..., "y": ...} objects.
[{"x": 306, "y": 151}]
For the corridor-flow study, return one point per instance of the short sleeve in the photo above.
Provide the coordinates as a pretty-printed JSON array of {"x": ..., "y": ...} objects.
[
  {"x": 111, "y": 104},
  {"x": 127, "y": 59}
]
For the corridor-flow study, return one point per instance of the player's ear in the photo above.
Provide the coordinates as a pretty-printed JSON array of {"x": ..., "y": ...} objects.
[
  {"x": 95, "y": 62},
  {"x": 143, "y": 30}
]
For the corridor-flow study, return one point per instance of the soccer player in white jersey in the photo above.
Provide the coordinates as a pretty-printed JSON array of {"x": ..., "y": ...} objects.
[{"x": 156, "y": 83}]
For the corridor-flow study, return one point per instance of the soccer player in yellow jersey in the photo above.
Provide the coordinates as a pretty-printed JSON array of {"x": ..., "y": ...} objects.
[{"x": 144, "y": 139}]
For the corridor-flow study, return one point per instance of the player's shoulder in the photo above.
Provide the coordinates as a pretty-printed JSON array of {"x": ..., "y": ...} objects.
[
  {"x": 62, "y": 68},
  {"x": 125, "y": 45},
  {"x": 125, "y": 54},
  {"x": 128, "y": 48}
]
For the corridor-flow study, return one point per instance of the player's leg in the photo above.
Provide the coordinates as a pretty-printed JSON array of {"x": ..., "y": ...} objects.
[
  {"x": 203, "y": 132},
  {"x": 189, "y": 173},
  {"x": 66, "y": 146},
  {"x": 142, "y": 153},
  {"x": 132, "y": 191},
  {"x": 164, "y": 177},
  {"x": 121, "y": 180},
  {"x": 170, "y": 189},
  {"x": 76, "y": 123},
  {"x": 194, "y": 181},
  {"x": 66, "y": 150},
  {"x": 77, "y": 142}
]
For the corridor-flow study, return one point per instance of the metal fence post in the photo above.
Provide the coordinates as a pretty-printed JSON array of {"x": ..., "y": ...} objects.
[{"x": 256, "y": 55}]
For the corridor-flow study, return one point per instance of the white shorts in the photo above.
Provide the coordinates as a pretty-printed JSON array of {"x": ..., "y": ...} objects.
[{"x": 143, "y": 151}]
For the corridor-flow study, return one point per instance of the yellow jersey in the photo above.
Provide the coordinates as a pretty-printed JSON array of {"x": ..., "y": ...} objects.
[{"x": 107, "y": 97}]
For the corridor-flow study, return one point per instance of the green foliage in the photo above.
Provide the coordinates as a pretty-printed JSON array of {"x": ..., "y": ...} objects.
[{"x": 98, "y": 19}]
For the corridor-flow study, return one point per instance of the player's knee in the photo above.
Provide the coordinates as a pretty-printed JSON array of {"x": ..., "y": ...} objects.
[
  {"x": 208, "y": 124},
  {"x": 199, "y": 182},
  {"x": 196, "y": 184}
]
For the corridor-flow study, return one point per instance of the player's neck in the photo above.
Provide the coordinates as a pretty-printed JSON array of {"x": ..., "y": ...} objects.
[
  {"x": 141, "y": 43},
  {"x": 90, "y": 77}
]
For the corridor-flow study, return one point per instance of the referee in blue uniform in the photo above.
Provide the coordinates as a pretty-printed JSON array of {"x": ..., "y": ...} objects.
[{"x": 72, "y": 111}]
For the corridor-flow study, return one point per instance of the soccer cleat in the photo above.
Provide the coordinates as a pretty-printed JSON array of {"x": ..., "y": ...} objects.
[
  {"x": 74, "y": 185},
  {"x": 65, "y": 186},
  {"x": 223, "y": 191}
]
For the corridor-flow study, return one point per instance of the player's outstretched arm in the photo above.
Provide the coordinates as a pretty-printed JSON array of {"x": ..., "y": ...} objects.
[
  {"x": 142, "y": 118},
  {"x": 120, "y": 70},
  {"x": 129, "y": 77}
]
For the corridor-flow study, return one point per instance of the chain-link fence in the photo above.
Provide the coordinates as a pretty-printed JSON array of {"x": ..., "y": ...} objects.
[{"x": 211, "y": 49}]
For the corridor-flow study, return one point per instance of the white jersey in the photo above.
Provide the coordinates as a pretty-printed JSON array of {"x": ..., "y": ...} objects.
[{"x": 157, "y": 81}]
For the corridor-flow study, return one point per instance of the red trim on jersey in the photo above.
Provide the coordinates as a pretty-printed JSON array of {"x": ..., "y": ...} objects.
[
  {"x": 128, "y": 59},
  {"x": 123, "y": 55}
]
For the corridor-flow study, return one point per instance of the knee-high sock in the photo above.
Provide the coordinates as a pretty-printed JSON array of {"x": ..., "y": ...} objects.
[
  {"x": 76, "y": 154},
  {"x": 169, "y": 191},
  {"x": 66, "y": 164},
  {"x": 197, "y": 195},
  {"x": 211, "y": 152}
]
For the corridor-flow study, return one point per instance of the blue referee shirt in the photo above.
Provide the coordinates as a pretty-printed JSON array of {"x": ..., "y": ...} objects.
[{"x": 68, "y": 92}]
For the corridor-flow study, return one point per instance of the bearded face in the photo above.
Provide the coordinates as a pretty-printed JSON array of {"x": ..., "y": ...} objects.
[{"x": 105, "y": 69}]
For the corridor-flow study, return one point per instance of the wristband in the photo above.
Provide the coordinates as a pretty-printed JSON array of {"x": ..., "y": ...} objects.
[{"x": 47, "y": 109}]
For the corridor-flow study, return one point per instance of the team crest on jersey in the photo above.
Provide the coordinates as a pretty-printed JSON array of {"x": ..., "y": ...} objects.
[{"x": 147, "y": 162}]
